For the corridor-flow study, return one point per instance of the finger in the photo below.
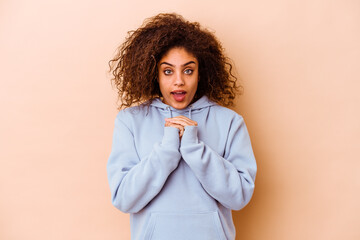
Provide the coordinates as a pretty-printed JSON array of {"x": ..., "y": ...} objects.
[
  {"x": 171, "y": 124},
  {"x": 181, "y": 132},
  {"x": 168, "y": 124},
  {"x": 178, "y": 126},
  {"x": 181, "y": 121}
]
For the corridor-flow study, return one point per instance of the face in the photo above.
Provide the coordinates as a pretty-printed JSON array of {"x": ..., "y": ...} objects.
[{"x": 178, "y": 77}]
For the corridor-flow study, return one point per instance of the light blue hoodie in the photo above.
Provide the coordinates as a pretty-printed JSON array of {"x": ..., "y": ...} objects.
[{"x": 181, "y": 189}]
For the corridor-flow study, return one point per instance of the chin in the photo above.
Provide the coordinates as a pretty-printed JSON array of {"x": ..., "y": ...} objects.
[{"x": 179, "y": 106}]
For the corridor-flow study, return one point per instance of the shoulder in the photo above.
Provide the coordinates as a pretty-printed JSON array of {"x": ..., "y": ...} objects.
[
  {"x": 130, "y": 114},
  {"x": 133, "y": 111},
  {"x": 226, "y": 113}
]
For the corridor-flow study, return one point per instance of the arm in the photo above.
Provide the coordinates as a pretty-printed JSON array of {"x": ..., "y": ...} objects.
[
  {"x": 229, "y": 179},
  {"x": 135, "y": 182}
]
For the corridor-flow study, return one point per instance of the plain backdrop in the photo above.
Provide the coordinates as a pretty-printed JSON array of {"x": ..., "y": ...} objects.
[{"x": 298, "y": 61}]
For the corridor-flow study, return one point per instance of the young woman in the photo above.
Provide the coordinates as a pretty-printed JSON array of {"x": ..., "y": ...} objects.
[{"x": 180, "y": 160}]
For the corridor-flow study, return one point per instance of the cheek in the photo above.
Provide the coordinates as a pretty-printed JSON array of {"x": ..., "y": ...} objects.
[
  {"x": 162, "y": 87},
  {"x": 160, "y": 82},
  {"x": 196, "y": 83}
]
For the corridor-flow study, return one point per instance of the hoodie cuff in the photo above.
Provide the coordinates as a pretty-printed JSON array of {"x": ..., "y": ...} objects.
[
  {"x": 190, "y": 135},
  {"x": 171, "y": 137}
]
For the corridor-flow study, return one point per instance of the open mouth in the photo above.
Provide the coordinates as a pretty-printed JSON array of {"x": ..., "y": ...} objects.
[{"x": 179, "y": 95}]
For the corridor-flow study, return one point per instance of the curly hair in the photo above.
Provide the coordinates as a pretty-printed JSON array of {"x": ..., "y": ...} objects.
[{"x": 134, "y": 67}]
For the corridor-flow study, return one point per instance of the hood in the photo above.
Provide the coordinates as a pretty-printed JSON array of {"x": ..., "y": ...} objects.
[{"x": 201, "y": 104}]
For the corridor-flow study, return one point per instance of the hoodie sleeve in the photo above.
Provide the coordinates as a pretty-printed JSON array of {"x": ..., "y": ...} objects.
[
  {"x": 135, "y": 182},
  {"x": 229, "y": 179}
]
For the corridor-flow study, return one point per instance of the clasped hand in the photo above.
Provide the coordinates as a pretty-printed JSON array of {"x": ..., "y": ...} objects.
[{"x": 179, "y": 122}]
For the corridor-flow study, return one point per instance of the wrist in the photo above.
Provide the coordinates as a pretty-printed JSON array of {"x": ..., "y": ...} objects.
[
  {"x": 171, "y": 137},
  {"x": 190, "y": 135}
]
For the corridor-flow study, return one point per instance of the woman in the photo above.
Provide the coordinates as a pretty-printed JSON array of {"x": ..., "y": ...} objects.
[{"x": 180, "y": 160}]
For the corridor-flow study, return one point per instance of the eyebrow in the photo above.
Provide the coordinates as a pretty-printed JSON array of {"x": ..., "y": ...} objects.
[{"x": 181, "y": 65}]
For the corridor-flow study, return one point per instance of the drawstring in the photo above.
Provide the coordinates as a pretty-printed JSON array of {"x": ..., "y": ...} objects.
[
  {"x": 169, "y": 108},
  {"x": 190, "y": 108},
  {"x": 171, "y": 115}
]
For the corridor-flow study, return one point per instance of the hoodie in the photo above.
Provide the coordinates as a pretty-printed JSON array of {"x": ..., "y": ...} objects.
[{"x": 181, "y": 189}]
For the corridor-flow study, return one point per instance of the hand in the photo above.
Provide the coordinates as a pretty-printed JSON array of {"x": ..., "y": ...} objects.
[
  {"x": 181, "y": 128},
  {"x": 180, "y": 122}
]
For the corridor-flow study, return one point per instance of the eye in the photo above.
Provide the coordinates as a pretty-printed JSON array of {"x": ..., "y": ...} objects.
[
  {"x": 188, "y": 71},
  {"x": 167, "y": 72}
]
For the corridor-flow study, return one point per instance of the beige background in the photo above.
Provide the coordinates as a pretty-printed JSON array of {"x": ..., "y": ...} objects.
[{"x": 299, "y": 62}]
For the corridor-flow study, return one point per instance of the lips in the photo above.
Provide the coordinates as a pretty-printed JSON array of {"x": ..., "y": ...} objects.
[{"x": 179, "y": 95}]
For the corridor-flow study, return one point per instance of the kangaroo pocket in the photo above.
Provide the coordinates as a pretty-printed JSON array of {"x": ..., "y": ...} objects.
[{"x": 184, "y": 226}]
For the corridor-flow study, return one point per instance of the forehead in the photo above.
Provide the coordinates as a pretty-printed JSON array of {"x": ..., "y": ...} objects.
[{"x": 178, "y": 54}]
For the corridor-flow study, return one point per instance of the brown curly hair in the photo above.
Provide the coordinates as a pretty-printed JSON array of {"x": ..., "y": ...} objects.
[{"x": 134, "y": 66}]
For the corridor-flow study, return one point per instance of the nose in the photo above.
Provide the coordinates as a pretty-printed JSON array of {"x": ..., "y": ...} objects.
[{"x": 179, "y": 81}]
